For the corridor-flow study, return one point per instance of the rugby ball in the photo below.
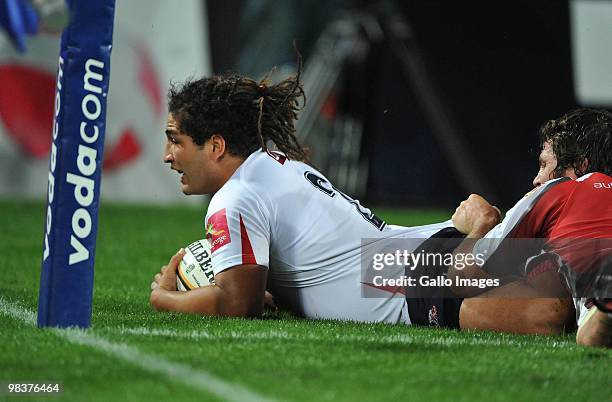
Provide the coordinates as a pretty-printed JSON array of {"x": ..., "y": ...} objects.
[{"x": 195, "y": 269}]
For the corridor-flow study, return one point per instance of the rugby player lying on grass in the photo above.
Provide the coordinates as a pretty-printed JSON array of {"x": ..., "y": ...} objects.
[
  {"x": 273, "y": 221},
  {"x": 569, "y": 222}
]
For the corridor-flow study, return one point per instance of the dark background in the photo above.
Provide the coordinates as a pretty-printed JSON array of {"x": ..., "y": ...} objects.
[{"x": 501, "y": 69}]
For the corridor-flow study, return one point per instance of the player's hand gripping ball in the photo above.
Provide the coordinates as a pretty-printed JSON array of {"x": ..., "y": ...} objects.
[{"x": 195, "y": 269}]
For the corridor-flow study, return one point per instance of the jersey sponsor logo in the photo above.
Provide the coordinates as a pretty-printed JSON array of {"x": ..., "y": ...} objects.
[
  {"x": 602, "y": 185},
  {"x": 217, "y": 230}
]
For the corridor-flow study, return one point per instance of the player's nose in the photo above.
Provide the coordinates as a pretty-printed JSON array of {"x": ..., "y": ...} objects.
[{"x": 537, "y": 181}]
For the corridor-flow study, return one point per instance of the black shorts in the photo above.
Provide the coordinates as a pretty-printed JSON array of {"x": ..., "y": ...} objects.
[{"x": 437, "y": 307}]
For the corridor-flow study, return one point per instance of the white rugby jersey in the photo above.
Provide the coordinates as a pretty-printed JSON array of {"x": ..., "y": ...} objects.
[{"x": 286, "y": 216}]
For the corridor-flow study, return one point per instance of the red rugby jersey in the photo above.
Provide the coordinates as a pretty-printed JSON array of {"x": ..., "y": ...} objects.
[
  {"x": 574, "y": 209},
  {"x": 574, "y": 216}
]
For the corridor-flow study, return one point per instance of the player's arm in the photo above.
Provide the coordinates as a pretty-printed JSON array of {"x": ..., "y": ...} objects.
[
  {"x": 237, "y": 292},
  {"x": 474, "y": 217},
  {"x": 517, "y": 307}
]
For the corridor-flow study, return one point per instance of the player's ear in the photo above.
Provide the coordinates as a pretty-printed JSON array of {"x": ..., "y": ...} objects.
[
  {"x": 218, "y": 146},
  {"x": 584, "y": 166}
]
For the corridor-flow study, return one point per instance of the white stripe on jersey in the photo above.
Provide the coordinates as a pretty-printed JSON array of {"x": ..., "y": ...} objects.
[{"x": 491, "y": 241}]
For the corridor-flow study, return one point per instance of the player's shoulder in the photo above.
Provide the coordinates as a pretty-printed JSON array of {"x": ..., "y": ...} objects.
[
  {"x": 266, "y": 162},
  {"x": 560, "y": 193},
  {"x": 596, "y": 180},
  {"x": 263, "y": 169},
  {"x": 556, "y": 189},
  {"x": 535, "y": 196},
  {"x": 271, "y": 174},
  {"x": 531, "y": 203},
  {"x": 234, "y": 194},
  {"x": 249, "y": 185},
  {"x": 588, "y": 182}
]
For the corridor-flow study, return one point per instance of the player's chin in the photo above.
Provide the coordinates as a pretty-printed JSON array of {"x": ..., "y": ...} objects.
[{"x": 186, "y": 190}]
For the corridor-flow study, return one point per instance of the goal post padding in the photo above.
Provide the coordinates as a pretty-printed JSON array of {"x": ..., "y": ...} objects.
[{"x": 79, "y": 122}]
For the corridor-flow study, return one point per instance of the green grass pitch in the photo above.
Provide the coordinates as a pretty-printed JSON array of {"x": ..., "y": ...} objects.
[{"x": 134, "y": 354}]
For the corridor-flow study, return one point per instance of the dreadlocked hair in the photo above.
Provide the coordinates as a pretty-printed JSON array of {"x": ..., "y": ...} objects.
[
  {"x": 578, "y": 136},
  {"x": 248, "y": 114}
]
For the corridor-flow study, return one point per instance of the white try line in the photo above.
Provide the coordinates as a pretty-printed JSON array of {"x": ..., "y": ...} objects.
[
  {"x": 475, "y": 340},
  {"x": 188, "y": 375}
]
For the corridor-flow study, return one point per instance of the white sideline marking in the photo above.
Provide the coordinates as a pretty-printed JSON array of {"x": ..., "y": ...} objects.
[
  {"x": 282, "y": 335},
  {"x": 188, "y": 375},
  {"x": 17, "y": 312}
]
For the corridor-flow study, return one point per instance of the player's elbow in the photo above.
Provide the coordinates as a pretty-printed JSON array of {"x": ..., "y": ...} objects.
[
  {"x": 160, "y": 300},
  {"x": 155, "y": 301}
]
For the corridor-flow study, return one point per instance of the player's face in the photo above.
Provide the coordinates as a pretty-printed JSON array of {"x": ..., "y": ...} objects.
[
  {"x": 548, "y": 163},
  {"x": 191, "y": 161}
]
